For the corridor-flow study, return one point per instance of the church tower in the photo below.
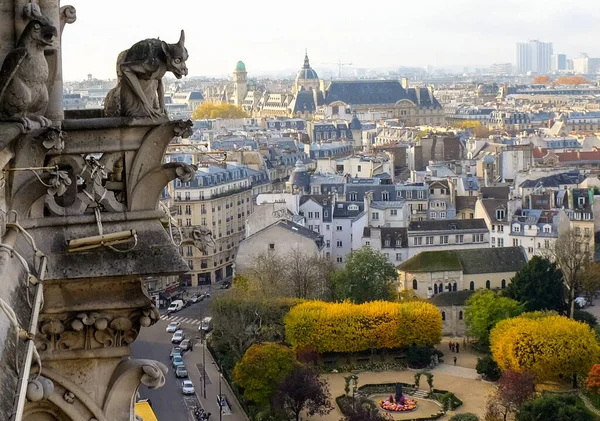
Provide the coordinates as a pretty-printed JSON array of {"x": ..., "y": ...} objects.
[{"x": 240, "y": 82}]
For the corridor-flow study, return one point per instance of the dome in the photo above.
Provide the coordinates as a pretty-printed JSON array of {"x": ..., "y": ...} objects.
[
  {"x": 240, "y": 67},
  {"x": 306, "y": 72},
  {"x": 300, "y": 178},
  {"x": 355, "y": 123}
]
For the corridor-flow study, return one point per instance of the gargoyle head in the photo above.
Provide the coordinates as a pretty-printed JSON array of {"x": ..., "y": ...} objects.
[
  {"x": 39, "y": 32},
  {"x": 177, "y": 55}
]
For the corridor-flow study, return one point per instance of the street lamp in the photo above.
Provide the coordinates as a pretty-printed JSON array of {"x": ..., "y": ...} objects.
[
  {"x": 220, "y": 396},
  {"x": 203, "y": 364}
]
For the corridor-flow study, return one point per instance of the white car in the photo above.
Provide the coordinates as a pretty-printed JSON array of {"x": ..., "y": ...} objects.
[
  {"x": 187, "y": 387},
  {"x": 172, "y": 327},
  {"x": 178, "y": 337}
]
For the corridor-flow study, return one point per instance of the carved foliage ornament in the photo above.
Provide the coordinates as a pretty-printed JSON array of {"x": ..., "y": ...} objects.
[{"x": 92, "y": 330}]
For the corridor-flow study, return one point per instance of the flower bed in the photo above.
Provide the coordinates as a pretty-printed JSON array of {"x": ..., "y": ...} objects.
[{"x": 403, "y": 404}]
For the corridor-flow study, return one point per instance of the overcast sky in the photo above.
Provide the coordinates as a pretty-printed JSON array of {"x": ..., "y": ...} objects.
[{"x": 271, "y": 35}]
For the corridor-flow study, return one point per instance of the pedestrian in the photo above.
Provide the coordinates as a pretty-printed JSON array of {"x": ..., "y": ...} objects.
[
  {"x": 450, "y": 345},
  {"x": 454, "y": 360},
  {"x": 457, "y": 347}
]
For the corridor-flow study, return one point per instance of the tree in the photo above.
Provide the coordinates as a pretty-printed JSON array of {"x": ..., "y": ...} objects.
[
  {"x": 302, "y": 391},
  {"x": 262, "y": 368},
  {"x": 542, "y": 80},
  {"x": 538, "y": 285},
  {"x": 484, "y": 309},
  {"x": 467, "y": 416},
  {"x": 554, "y": 408},
  {"x": 368, "y": 276},
  {"x": 488, "y": 368},
  {"x": 208, "y": 110},
  {"x": 590, "y": 280},
  {"x": 571, "y": 256},
  {"x": 514, "y": 389},
  {"x": 592, "y": 382},
  {"x": 571, "y": 80},
  {"x": 546, "y": 346},
  {"x": 364, "y": 411},
  {"x": 585, "y": 317}
]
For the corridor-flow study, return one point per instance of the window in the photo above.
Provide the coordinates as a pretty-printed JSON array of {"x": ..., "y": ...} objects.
[
  {"x": 488, "y": 284},
  {"x": 310, "y": 215},
  {"x": 398, "y": 257},
  {"x": 443, "y": 239},
  {"x": 420, "y": 194},
  {"x": 500, "y": 242},
  {"x": 432, "y": 215},
  {"x": 418, "y": 241},
  {"x": 385, "y": 196},
  {"x": 394, "y": 212},
  {"x": 547, "y": 244},
  {"x": 375, "y": 216},
  {"x": 460, "y": 315},
  {"x": 503, "y": 283},
  {"x": 325, "y": 214},
  {"x": 472, "y": 286},
  {"x": 367, "y": 243},
  {"x": 339, "y": 260},
  {"x": 428, "y": 241},
  {"x": 515, "y": 242},
  {"x": 516, "y": 228},
  {"x": 398, "y": 242},
  {"x": 478, "y": 238},
  {"x": 188, "y": 209},
  {"x": 454, "y": 286},
  {"x": 339, "y": 243},
  {"x": 328, "y": 244},
  {"x": 415, "y": 284},
  {"x": 310, "y": 227},
  {"x": 271, "y": 246},
  {"x": 191, "y": 264},
  {"x": 188, "y": 222},
  {"x": 459, "y": 239},
  {"x": 318, "y": 215},
  {"x": 500, "y": 213},
  {"x": 443, "y": 315},
  {"x": 387, "y": 242},
  {"x": 442, "y": 215},
  {"x": 338, "y": 228},
  {"x": 190, "y": 251},
  {"x": 530, "y": 249},
  {"x": 353, "y": 197},
  {"x": 431, "y": 191},
  {"x": 359, "y": 168},
  {"x": 586, "y": 232},
  {"x": 493, "y": 241},
  {"x": 500, "y": 228}
]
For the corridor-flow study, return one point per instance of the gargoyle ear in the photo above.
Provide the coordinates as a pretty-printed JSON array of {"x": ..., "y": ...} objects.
[
  {"x": 181, "y": 39},
  {"x": 165, "y": 48}
]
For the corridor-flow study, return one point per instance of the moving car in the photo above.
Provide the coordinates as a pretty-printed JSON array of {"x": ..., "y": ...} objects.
[
  {"x": 172, "y": 327},
  {"x": 175, "y": 306},
  {"x": 187, "y": 387},
  {"x": 187, "y": 345},
  {"x": 176, "y": 350},
  {"x": 178, "y": 336},
  {"x": 181, "y": 371},
  {"x": 177, "y": 361}
]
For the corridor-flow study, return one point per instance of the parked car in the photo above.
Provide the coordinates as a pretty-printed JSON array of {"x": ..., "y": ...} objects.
[
  {"x": 194, "y": 299},
  {"x": 172, "y": 327},
  {"x": 187, "y": 345},
  {"x": 175, "y": 306},
  {"x": 187, "y": 387},
  {"x": 181, "y": 371},
  {"x": 226, "y": 285},
  {"x": 177, "y": 361},
  {"x": 176, "y": 350},
  {"x": 178, "y": 336}
]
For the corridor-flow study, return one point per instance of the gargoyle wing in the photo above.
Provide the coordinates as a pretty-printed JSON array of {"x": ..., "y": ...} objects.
[{"x": 10, "y": 67}]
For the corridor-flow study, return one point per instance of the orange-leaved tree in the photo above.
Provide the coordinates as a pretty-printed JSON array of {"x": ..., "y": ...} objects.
[
  {"x": 348, "y": 327},
  {"x": 571, "y": 80},
  {"x": 593, "y": 379},
  {"x": 542, "y": 80},
  {"x": 544, "y": 345},
  {"x": 208, "y": 110}
]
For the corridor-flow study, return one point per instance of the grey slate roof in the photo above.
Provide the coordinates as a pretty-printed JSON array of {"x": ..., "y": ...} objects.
[
  {"x": 365, "y": 92},
  {"x": 341, "y": 209},
  {"x": 296, "y": 229},
  {"x": 448, "y": 224},
  {"x": 491, "y": 205},
  {"x": 492, "y": 260},
  {"x": 448, "y": 299},
  {"x": 394, "y": 234},
  {"x": 465, "y": 202},
  {"x": 494, "y": 192}
]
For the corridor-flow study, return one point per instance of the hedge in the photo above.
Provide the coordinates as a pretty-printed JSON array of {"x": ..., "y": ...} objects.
[{"x": 346, "y": 327}]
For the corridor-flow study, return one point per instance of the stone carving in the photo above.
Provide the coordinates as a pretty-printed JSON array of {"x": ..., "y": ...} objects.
[
  {"x": 199, "y": 236},
  {"x": 53, "y": 138},
  {"x": 140, "y": 69},
  {"x": 92, "y": 330},
  {"x": 24, "y": 74},
  {"x": 69, "y": 397}
]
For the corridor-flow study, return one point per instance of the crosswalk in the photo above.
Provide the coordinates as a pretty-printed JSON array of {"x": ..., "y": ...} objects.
[{"x": 182, "y": 319}]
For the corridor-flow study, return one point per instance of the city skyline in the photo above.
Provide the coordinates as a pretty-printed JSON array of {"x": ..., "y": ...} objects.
[{"x": 267, "y": 39}]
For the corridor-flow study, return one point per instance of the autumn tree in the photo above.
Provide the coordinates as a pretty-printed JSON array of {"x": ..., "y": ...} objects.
[
  {"x": 484, "y": 309},
  {"x": 546, "y": 346},
  {"x": 208, "y": 110},
  {"x": 571, "y": 80},
  {"x": 514, "y": 389},
  {"x": 538, "y": 285},
  {"x": 262, "y": 369},
  {"x": 592, "y": 382},
  {"x": 302, "y": 391},
  {"x": 571, "y": 256},
  {"x": 542, "y": 80},
  {"x": 367, "y": 276},
  {"x": 554, "y": 408}
]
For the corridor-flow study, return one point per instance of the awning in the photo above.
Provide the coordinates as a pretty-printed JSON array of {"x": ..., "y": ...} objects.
[{"x": 168, "y": 294}]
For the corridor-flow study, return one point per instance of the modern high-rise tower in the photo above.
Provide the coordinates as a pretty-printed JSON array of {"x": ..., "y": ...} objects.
[{"x": 534, "y": 56}]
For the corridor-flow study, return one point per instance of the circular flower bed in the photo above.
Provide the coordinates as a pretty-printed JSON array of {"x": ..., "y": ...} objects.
[{"x": 402, "y": 405}]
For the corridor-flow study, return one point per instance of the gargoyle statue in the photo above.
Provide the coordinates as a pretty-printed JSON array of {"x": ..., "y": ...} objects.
[
  {"x": 24, "y": 74},
  {"x": 140, "y": 91}
]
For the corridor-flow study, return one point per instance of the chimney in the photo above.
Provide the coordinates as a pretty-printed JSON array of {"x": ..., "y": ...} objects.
[{"x": 405, "y": 82}]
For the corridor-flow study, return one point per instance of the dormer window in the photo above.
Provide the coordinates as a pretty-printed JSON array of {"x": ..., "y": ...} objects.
[
  {"x": 387, "y": 242},
  {"x": 500, "y": 214},
  {"x": 516, "y": 228},
  {"x": 398, "y": 242},
  {"x": 547, "y": 229},
  {"x": 581, "y": 201},
  {"x": 385, "y": 196}
]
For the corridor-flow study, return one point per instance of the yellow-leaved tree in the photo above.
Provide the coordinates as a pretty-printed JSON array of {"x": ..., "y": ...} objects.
[
  {"x": 544, "y": 345},
  {"x": 208, "y": 110},
  {"x": 348, "y": 327}
]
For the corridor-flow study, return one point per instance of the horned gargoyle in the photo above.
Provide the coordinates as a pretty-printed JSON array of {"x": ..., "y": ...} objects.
[
  {"x": 140, "y": 69},
  {"x": 24, "y": 74}
]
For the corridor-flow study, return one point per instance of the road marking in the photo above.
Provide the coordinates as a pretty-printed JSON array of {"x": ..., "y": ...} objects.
[{"x": 180, "y": 319}]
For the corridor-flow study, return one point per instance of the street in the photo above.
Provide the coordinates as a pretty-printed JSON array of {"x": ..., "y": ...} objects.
[{"x": 168, "y": 402}]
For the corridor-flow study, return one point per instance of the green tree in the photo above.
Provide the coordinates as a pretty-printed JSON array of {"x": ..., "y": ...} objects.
[
  {"x": 262, "y": 369},
  {"x": 487, "y": 367},
  {"x": 554, "y": 408},
  {"x": 484, "y": 309},
  {"x": 368, "y": 276},
  {"x": 538, "y": 285}
]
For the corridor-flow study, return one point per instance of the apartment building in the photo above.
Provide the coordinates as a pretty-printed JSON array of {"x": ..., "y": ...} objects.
[{"x": 447, "y": 235}]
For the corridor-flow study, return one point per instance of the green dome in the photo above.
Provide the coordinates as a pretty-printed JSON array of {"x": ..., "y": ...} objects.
[{"x": 240, "y": 67}]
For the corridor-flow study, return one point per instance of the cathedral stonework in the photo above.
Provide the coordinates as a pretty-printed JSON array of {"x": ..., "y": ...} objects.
[{"x": 81, "y": 223}]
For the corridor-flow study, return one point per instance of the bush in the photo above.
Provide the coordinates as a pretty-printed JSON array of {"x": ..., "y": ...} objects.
[
  {"x": 554, "y": 408},
  {"x": 488, "y": 368},
  {"x": 419, "y": 356},
  {"x": 449, "y": 401},
  {"x": 586, "y": 317},
  {"x": 346, "y": 327},
  {"x": 467, "y": 416}
]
